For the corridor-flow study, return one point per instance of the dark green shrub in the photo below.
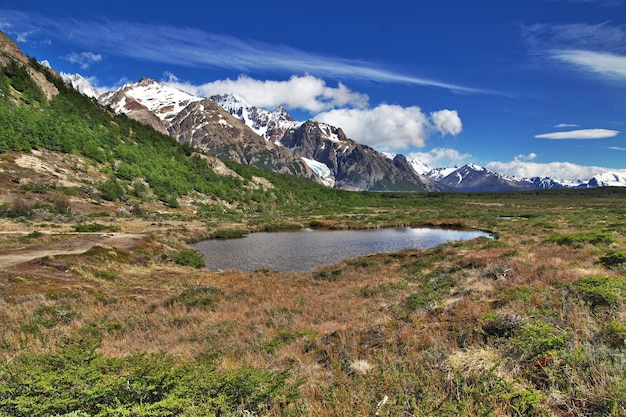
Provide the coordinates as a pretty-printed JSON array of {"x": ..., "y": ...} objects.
[
  {"x": 187, "y": 257},
  {"x": 616, "y": 333},
  {"x": 433, "y": 288},
  {"x": 614, "y": 259},
  {"x": 37, "y": 188},
  {"x": 600, "y": 290},
  {"x": 539, "y": 338},
  {"x": 284, "y": 337},
  {"x": 204, "y": 297},
  {"x": 77, "y": 381},
  {"x": 94, "y": 228},
  {"x": 229, "y": 233},
  {"x": 593, "y": 237},
  {"x": 328, "y": 275}
]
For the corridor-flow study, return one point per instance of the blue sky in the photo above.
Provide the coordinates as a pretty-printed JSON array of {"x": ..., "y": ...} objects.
[{"x": 528, "y": 87}]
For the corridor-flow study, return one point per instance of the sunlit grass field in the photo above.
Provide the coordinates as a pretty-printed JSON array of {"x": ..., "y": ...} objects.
[{"x": 531, "y": 323}]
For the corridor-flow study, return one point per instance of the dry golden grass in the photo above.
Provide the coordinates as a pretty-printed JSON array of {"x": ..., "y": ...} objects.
[{"x": 346, "y": 332}]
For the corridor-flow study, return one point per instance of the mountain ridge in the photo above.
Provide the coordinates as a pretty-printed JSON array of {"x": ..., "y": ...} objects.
[{"x": 278, "y": 127}]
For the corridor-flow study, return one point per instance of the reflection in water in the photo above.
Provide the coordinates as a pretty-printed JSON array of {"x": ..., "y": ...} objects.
[{"x": 307, "y": 249}]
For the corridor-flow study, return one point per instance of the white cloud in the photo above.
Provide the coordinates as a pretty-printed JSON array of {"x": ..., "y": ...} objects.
[
  {"x": 526, "y": 158},
  {"x": 580, "y": 134},
  {"x": 391, "y": 127},
  {"x": 299, "y": 92},
  {"x": 603, "y": 63},
  {"x": 83, "y": 59},
  {"x": 441, "y": 157},
  {"x": 385, "y": 127},
  {"x": 561, "y": 170},
  {"x": 562, "y": 125},
  {"x": 447, "y": 122}
]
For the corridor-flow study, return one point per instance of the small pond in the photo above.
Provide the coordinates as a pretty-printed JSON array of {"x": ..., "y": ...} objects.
[{"x": 304, "y": 250}]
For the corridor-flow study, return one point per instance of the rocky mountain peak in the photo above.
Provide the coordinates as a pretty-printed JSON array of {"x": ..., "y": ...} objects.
[
  {"x": 9, "y": 51},
  {"x": 269, "y": 125},
  {"x": 162, "y": 100}
]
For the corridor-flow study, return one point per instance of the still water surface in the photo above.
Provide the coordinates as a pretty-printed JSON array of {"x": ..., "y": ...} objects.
[{"x": 307, "y": 249}]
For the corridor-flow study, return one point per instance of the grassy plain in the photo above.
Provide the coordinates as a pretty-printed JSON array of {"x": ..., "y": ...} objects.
[{"x": 532, "y": 323}]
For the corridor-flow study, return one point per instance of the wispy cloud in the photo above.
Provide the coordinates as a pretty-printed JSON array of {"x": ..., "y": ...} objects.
[
  {"x": 562, "y": 125},
  {"x": 192, "y": 47},
  {"x": 575, "y": 36},
  {"x": 83, "y": 59},
  {"x": 599, "y": 48},
  {"x": 610, "y": 65},
  {"x": 580, "y": 134}
]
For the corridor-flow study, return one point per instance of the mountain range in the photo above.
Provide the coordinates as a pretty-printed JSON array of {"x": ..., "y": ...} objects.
[{"x": 228, "y": 127}]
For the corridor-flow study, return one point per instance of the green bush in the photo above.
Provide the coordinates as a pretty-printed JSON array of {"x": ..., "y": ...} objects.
[
  {"x": 77, "y": 381},
  {"x": 203, "y": 297},
  {"x": 539, "y": 338},
  {"x": 614, "y": 259},
  {"x": 433, "y": 288},
  {"x": 94, "y": 228},
  {"x": 330, "y": 275},
  {"x": 616, "y": 333},
  {"x": 229, "y": 233},
  {"x": 600, "y": 290},
  {"x": 188, "y": 257},
  {"x": 592, "y": 237}
]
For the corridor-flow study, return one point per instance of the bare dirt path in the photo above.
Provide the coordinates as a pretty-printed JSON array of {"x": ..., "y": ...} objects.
[{"x": 75, "y": 244}]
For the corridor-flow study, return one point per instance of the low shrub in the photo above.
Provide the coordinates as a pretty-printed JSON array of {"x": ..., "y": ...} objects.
[
  {"x": 433, "y": 288},
  {"x": 593, "y": 237},
  {"x": 202, "y": 297},
  {"x": 600, "y": 290},
  {"x": 614, "y": 259},
  {"x": 328, "y": 275},
  {"x": 616, "y": 334},
  {"x": 229, "y": 233},
  {"x": 187, "y": 257},
  {"x": 95, "y": 228},
  {"x": 539, "y": 338},
  {"x": 77, "y": 381}
]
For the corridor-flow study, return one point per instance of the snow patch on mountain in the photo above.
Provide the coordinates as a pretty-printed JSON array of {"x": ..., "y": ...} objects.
[
  {"x": 321, "y": 170},
  {"x": 269, "y": 125},
  {"x": 439, "y": 173},
  {"x": 80, "y": 83},
  {"x": 161, "y": 99},
  {"x": 328, "y": 132}
]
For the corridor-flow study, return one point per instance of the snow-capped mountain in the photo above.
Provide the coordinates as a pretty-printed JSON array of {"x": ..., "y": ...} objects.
[
  {"x": 269, "y": 125},
  {"x": 80, "y": 84},
  {"x": 203, "y": 124},
  {"x": 162, "y": 100},
  {"x": 472, "y": 177},
  {"x": 348, "y": 164},
  {"x": 323, "y": 150},
  {"x": 607, "y": 179}
]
